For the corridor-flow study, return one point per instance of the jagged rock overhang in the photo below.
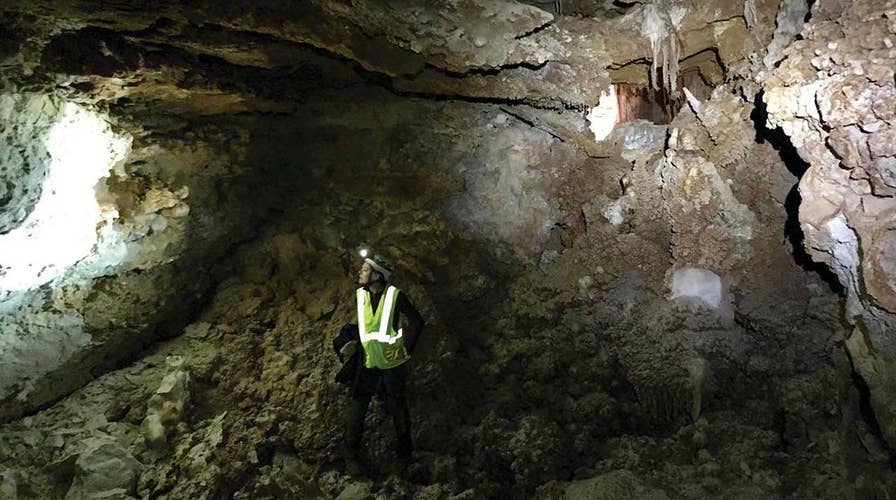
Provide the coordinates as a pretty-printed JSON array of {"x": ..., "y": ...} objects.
[{"x": 524, "y": 59}]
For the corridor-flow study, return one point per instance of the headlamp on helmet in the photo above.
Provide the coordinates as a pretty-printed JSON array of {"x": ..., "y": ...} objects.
[{"x": 379, "y": 263}]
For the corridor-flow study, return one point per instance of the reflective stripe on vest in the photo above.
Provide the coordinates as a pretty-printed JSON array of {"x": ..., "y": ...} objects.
[{"x": 383, "y": 346}]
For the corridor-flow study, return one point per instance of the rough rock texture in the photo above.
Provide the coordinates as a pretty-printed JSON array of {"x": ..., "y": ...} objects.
[
  {"x": 628, "y": 317},
  {"x": 27, "y": 121},
  {"x": 147, "y": 231},
  {"x": 834, "y": 96},
  {"x": 166, "y": 408}
]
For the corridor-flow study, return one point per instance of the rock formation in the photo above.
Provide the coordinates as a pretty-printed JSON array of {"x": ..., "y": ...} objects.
[{"x": 699, "y": 303}]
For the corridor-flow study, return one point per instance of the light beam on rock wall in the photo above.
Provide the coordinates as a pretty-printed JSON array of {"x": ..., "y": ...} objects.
[{"x": 62, "y": 228}]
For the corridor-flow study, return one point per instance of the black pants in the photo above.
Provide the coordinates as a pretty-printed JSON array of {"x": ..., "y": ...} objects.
[{"x": 389, "y": 385}]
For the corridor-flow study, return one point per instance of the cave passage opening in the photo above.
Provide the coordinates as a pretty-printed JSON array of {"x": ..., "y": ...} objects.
[
  {"x": 624, "y": 102},
  {"x": 644, "y": 103},
  {"x": 64, "y": 225}
]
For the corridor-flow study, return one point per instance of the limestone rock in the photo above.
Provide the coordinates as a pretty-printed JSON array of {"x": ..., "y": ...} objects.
[
  {"x": 355, "y": 491},
  {"x": 166, "y": 409},
  {"x": 8, "y": 485},
  {"x": 27, "y": 124},
  {"x": 698, "y": 370},
  {"x": 717, "y": 223},
  {"x": 104, "y": 468},
  {"x": 836, "y": 118},
  {"x": 612, "y": 485}
]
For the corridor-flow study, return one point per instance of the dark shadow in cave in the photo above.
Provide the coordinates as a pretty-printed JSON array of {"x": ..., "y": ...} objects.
[
  {"x": 867, "y": 413},
  {"x": 797, "y": 166},
  {"x": 808, "y": 16},
  {"x": 643, "y": 103}
]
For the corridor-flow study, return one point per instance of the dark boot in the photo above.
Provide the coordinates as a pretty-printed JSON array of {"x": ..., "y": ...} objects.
[
  {"x": 397, "y": 406},
  {"x": 354, "y": 433}
]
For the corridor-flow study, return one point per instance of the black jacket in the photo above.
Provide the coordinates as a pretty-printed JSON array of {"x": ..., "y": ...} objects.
[{"x": 351, "y": 367}]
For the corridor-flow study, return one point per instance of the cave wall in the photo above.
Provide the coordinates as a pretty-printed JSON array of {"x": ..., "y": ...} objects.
[
  {"x": 24, "y": 168},
  {"x": 591, "y": 307},
  {"x": 147, "y": 275},
  {"x": 833, "y": 96}
]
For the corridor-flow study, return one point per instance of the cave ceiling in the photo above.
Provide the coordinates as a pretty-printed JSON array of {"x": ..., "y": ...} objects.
[{"x": 265, "y": 56}]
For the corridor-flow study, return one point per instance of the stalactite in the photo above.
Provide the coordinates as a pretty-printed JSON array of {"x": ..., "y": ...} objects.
[
  {"x": 659, "y": 28},
  {"x": 750, "y": 13}
]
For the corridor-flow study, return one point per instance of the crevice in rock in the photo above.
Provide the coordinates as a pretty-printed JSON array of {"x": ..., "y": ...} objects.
[
  {"x": 625, "y": 5},
  {"x": 866, "y": 411},
  {"x": 546, "y": 104},
  {"x": 534, "y": 31},
  {"x": 780, "y": 426},
  {"x": 533, "y": 124},
  {"x": 618, "y": 66},
  {"x": 553, "y": 133},
  {"x": 716, "y": 58},
  {"x": 491, "y": 70},
  {"x": 725, "y": 20},
  {"x": 797, "y": 166}
]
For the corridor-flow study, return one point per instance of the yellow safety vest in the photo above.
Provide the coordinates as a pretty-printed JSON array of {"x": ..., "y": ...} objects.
[{"x": 383, "y": 346}]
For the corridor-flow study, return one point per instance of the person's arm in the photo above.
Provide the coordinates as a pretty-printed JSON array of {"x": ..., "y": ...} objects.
[
  {"x": 346, "y": 343},
  {"x": 414, "y": 320}
]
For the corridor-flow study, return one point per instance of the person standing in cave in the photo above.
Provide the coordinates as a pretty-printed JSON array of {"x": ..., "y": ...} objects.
[{"x": 379, "y": 366}]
